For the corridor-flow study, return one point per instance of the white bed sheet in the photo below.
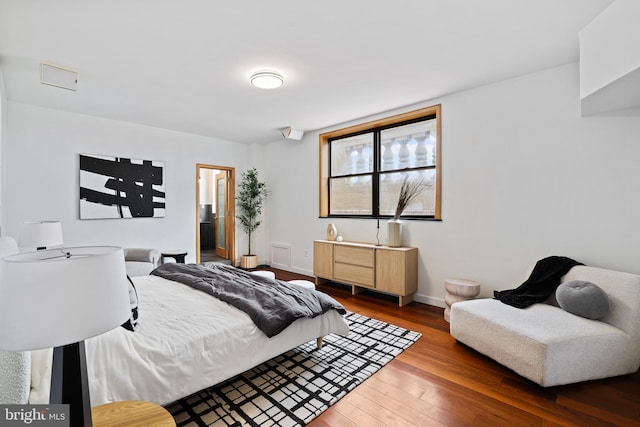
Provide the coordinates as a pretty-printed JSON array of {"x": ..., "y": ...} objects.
[{"x": 186, "y": 341}]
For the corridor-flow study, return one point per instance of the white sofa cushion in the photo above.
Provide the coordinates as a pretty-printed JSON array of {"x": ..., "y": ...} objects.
[
  {"x": 623, "y": 291},
  {"x": 543, "y": 343}
]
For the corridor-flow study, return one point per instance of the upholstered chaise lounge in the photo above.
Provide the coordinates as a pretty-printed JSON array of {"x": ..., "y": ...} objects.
[{"x": 551, "y": 346}]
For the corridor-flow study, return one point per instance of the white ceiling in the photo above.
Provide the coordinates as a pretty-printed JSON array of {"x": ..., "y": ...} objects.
[{"x": 185, "y": 64}]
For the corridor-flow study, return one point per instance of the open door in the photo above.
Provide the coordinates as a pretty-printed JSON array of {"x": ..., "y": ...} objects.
[
  {"x": 215, "y": 213},
  {"x": 222, "y": 217}
]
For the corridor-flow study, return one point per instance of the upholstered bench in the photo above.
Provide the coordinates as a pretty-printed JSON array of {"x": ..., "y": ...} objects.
[
  {"x": 551, "y": 346},
  {"x": 303, "y": 284},
  {"x": 271, "y": 275},
  {"x": 264, "y": 273}
]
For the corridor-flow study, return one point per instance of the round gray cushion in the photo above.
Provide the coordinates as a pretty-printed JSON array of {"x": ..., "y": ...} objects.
[{"x": 583, "y": 299}]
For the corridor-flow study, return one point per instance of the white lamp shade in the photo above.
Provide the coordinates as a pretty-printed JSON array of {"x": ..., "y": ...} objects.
[
  {"x": 40, "y": 234},
  {"x": 49, "y": 300}
]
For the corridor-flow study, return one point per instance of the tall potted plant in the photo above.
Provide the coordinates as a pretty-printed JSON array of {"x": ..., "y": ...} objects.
[{"x": 251, "y": 196}]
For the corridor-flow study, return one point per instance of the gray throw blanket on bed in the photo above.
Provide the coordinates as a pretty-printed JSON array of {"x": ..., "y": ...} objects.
[{"x": 271, "y": 304}]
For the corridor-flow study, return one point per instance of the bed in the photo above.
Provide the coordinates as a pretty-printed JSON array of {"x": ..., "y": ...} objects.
[{"x": 186, "y": 341}]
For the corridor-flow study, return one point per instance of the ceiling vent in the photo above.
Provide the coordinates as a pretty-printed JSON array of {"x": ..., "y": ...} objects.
[{"x": 55, "y": 75}]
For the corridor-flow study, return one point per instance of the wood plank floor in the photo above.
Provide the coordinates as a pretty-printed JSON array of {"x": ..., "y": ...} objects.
[{"x": 439, "y": 382}]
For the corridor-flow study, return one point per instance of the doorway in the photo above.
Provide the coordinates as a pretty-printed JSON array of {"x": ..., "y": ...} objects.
[{"x": 215, "y": 213}]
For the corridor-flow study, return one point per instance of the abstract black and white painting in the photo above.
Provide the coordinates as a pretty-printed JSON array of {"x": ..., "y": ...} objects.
[{"x": 118, "y": 187}]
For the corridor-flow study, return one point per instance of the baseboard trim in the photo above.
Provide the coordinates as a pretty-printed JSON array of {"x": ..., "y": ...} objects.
[
  {"x": 424, "y": 299},
  {"x": 302, "y": 271}
]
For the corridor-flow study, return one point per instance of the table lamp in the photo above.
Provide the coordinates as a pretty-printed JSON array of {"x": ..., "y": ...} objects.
[
  {"x": 58, "y": 298},
  {"x": 40, "y": 234}
]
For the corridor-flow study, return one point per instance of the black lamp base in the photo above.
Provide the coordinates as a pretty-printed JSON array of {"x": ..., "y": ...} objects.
[{"x": 70, "y": 383}]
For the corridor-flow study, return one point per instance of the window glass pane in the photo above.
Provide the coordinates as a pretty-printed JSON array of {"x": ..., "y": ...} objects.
[
  {"x": 352, "y": 155},
  {"x": 351, "y": 196},
  {"x": 423, "y": 204},
  {"x": 408, "y": 146}
]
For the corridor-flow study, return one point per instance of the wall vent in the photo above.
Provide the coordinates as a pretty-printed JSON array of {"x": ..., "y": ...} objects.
[
  {"x": 280, "y": 255},
  {"x": 58, "y": 76}
]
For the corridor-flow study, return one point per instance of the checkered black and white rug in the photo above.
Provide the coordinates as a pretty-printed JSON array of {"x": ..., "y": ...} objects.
[{"x": 297, "y": 386}]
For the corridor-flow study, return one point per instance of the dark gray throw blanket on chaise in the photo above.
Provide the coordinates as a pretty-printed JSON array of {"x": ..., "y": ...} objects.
[
  {"x": 272, "y": 304},
  {"x": 541, "y": 284}
]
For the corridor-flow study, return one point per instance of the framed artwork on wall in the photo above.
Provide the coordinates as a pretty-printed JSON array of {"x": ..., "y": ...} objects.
[{"x": 119, "y": 187}]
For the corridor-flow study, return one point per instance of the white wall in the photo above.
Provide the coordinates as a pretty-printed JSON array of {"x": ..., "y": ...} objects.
[
  {"x": 260, "y": 243},
  {"x": 609, "y": 46},
  {"x": 41, "y": 179},
  {"x": 3, "y": 102},
  {"x": 610, "y": 60},
  {"x": 523, "y": 177}
]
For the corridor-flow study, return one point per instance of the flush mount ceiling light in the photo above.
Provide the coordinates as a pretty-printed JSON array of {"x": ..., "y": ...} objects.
[{"x": 266, "y": 80}]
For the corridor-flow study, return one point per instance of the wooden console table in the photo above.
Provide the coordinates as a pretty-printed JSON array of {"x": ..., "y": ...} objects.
[{"x": 368, "y": 266}]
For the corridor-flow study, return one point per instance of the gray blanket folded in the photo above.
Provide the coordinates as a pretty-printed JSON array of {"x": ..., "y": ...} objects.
[{"x": 272, "y": 304}]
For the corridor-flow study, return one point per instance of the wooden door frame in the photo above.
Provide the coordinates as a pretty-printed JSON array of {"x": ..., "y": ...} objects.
[
  {"x": 231, "y": 192},
  {"x": 221, "y": 176}
]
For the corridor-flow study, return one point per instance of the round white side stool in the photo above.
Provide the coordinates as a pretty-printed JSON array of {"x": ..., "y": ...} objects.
[
  {"x": 459, "y": 290},
  {"x": 303, "y": 284},
  {"x": 264, "y": 273}
]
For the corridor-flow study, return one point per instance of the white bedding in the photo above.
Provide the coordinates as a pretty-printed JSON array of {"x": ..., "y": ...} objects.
[{"x": 186, "y": 341}]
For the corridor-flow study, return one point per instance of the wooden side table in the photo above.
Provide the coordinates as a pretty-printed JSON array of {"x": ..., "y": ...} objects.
[
  {"x": 459, "y": 290},
  {"x": 131, "y": 413}
]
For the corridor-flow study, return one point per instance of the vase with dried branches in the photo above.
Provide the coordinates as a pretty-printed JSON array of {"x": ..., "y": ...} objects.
[{"x": 409, "y": 190}]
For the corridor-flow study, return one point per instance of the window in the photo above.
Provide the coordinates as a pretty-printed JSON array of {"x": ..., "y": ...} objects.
[{"x": 362, "y": 167}]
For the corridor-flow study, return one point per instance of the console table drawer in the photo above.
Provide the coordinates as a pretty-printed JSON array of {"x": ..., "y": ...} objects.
[
  {"x": 354, "y": 274},
  {"x": 354, "y": 255}
]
